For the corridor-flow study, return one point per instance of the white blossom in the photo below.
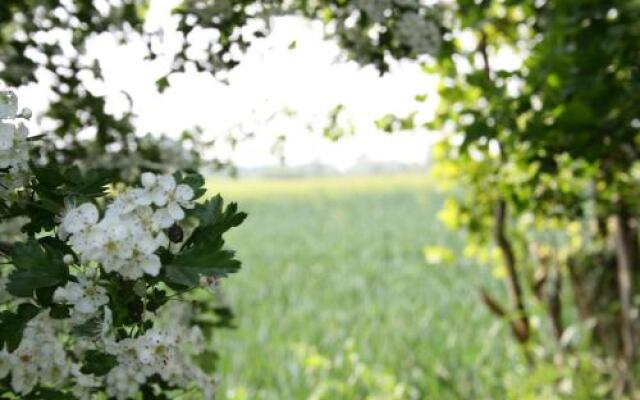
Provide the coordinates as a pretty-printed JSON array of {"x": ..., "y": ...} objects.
[
  {"x": 86, "y": 297},
  {"x": 123, "y": 237},
  {"x": 40, "y": 357},
  {"x": 126, "y": 239},
  {"x": 163, "y": 352}
]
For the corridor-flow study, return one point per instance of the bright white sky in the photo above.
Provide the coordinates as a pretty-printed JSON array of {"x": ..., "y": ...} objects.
[{"x": 309, "y": 79}]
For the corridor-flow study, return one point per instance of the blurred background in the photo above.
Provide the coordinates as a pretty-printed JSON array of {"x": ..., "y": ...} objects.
[{"x": 443, "y": 195}]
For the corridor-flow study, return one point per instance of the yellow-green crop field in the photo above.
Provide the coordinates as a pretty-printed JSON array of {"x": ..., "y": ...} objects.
[{"x": 335, "y": 299}]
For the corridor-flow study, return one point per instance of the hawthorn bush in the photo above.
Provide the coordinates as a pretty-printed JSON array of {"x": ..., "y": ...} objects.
[{"x": 97, "y": 275}]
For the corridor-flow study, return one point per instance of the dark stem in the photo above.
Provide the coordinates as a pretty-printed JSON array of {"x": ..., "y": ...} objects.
[
  {"x": 520, "y": 325},
  {"x": 555, "y": 303},
  {"x": 625, "y": 253}
]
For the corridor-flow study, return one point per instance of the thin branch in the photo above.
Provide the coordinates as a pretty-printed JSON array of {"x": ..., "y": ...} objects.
[
  {"x": 520, "y": 325},
  {"x": 492, "y": 304}
]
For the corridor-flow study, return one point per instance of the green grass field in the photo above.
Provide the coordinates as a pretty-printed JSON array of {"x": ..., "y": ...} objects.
[{"x": 336, "y": 301}]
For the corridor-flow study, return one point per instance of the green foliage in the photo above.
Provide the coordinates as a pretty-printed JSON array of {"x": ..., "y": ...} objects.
[
  {"x": 203, "y": 254},
  {"x": 98, "y": 363},
  {"x": 12, "y": 324},
  {"x": 36, "y": 266}
]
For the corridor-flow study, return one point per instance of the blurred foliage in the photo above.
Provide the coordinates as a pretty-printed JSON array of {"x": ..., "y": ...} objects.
[
  {"x": 45, "y": 42},
  {"x": 362, "y": 382}
]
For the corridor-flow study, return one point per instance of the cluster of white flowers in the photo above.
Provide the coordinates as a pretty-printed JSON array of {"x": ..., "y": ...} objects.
[
  {"x": 14, "y": 147},
  {"x": 126, "y": 238},
  {"x": 86, "y": 297},
  {"x": 40, "y": 358},
  {"x": 166, "y": 352},
  {"x": 159, "y": 352},
  {"x": 420, "y": 34}
]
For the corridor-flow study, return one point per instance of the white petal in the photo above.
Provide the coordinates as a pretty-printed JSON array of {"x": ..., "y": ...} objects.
[
  {"x": 151, "y": 265},
  {"x": 147, "y": 244},
  {"x": 89, "y": 213},
  {"x": 167, "y": 182},
  {"x": 7, "y": 131},
  {"x": 184, "y": 193},
  {"x": 85, "y": 306},
  {"x": 162, "y": 218},
  {"x": 175, "y": 211},
  {"x": 159, "y": 196},
  {"x": 148, "y": 179}
]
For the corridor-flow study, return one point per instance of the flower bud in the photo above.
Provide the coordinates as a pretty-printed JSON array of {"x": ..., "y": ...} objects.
[{"x": 26, "y": 113}]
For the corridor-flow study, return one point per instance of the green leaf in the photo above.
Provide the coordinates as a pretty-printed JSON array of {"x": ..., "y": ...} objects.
[
  {"x": 90, "y": 184},
  {"x": 37, "y": 266},
  {"x": 204, "y": 254},
  {"x": 162, "y": 84},
  {"x": 49, "y": 176},
  {"x": 90, "y": 328},
  {"x": 40, "y": 393},
  {"x": 12, "y": 325},
  {"x": 195, "y": 181},
  {"x": 210, "y": 214},
  {"x": 205, "y": 258},
  {"x": 59, "y": 311},
  {"x": 98, "y": 363}
]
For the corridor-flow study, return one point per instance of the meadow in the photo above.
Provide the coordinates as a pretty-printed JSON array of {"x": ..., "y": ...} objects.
[{"x": 335, "y": 299}]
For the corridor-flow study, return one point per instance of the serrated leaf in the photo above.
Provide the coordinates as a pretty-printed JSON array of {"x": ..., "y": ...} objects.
[
  {"x": 37, "y": 266},
  {"x": 89, "y": 328},
  {"x": 48, "y": 176},
  {"x": 91, "y": 184},
  {"x": 12, "y": 325},
  {"x": 203, "y": 254},
  {"x": 98, "y": 363},
  {"x": 205, "y": 258},
  {"x": 210, "y": 214}
]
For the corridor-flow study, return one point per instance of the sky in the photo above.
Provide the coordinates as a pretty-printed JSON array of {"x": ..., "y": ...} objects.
[{"x": 308, "y": 80}]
